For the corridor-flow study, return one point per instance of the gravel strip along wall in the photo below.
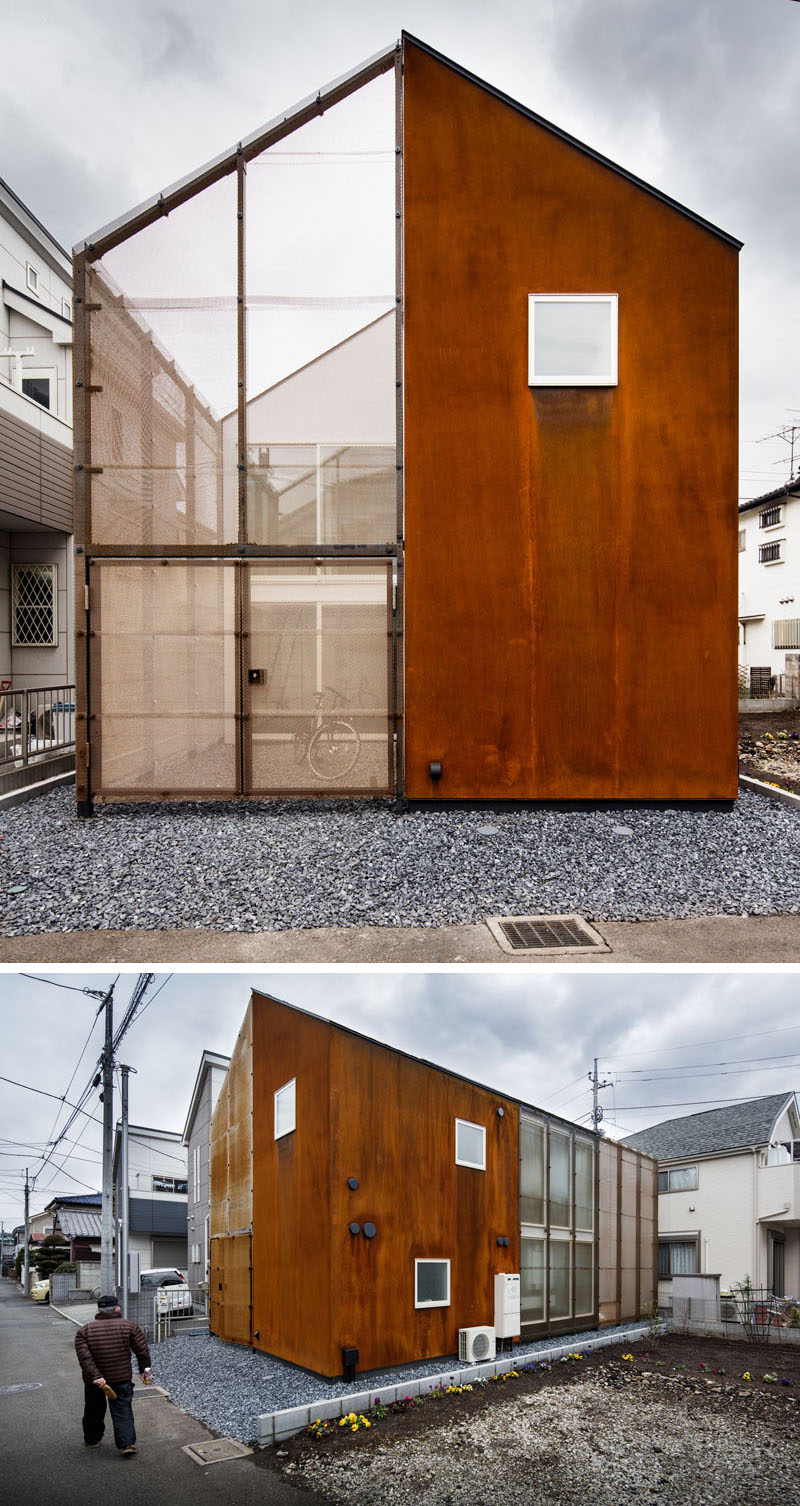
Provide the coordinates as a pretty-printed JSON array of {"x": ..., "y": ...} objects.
[
  {"x": 256, "y": 1398},
  {"x": 285, "y": 865}
]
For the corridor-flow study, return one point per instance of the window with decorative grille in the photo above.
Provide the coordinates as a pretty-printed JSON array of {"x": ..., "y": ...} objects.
[
  {"x": 34, "y": 606},
  {"x": 769, "y": 554},
  {"x": 770, "y": 517}
]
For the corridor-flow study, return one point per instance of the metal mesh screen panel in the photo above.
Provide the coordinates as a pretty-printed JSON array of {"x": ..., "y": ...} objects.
[
  {"x": 163, "y": 374},
  {"x": 320, "y": 300},
  {"x": 165, "y": 664},
  {"x": 319, "y": 676}
]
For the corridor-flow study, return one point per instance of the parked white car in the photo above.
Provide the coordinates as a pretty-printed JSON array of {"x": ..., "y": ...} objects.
[{"x": 170, "y": 1289}]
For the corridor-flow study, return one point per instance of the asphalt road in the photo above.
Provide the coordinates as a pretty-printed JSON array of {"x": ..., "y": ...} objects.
[{"x": 42, "y": 1456}]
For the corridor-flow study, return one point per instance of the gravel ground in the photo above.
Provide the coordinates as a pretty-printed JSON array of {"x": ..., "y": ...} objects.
[
  {"x": 291, "y": 865},
  {"x": 228, "y": 1386},
  {"x": 608, "y": 1438}
]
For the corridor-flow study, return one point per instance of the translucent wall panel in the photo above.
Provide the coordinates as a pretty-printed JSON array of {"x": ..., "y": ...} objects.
[
  {"x": 584, "y": 1184},
  {"x": 560, "y": 1278},
  {"x": 163, "y": 351},
  {"x": 164, "y": 669},
  {"x": 584, "y": 1279},
  {"x": 560, "y": 1206},
  {"x": 320, "y": 299},
  {"x": 318, "y": 681},
  {"x": 532, "y": 1283},
  {"x": 531, "y": 1172}
]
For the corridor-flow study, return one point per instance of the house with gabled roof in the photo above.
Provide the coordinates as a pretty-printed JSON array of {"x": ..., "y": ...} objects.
[
  {"x": 769, "y": 593},
  {"x": 546, "y": 610},
  {"x": 729, "y": 1193}
]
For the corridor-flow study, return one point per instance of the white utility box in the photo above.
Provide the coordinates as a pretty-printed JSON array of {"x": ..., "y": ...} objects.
[{"x": 507, "y": 1306}]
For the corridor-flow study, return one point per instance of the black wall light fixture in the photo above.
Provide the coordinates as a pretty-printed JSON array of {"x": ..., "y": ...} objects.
[{"x": 435, "y": 771}]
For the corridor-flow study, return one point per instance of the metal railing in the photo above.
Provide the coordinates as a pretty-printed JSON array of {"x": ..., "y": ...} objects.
[
  {"x": 35, "y": 724},
  {"x": 749, "y": 1312},
  {"x": 163, "y": 1314},
  {"x": 755, "y": 685}
]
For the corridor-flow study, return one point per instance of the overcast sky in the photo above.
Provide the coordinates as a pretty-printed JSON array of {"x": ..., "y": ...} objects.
[
  {"x": 674, "y": 1042},
  {"x": 105, "y": 103}
]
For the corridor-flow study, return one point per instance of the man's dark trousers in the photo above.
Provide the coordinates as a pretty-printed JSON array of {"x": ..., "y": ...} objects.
[{"x": 121, "y": 1410}]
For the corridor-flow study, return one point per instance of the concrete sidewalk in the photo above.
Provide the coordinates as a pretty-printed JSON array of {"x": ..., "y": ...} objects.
[{"x": 755, "y": 939}]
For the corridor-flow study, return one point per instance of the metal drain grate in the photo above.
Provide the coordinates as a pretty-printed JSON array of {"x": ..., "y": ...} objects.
[
  {"x": 545, "y": 933},
  {"x": 216, "y": 1451}
]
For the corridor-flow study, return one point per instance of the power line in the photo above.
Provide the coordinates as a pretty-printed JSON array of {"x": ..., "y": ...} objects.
[
  {"x": 717, "y": 1041},
  {"x": 43, "y": 1094},
  {"x": 628, "y": 1108}
]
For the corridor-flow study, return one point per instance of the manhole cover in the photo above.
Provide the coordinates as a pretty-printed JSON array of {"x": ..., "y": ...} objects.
[
  {"x": 545, "y": 933},
  {"x": 27, "y": 1386},
  {"x": 216, "y": 1451}
]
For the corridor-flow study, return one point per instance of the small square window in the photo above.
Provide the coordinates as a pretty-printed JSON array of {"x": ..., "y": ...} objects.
[
  {"x": 66, "y": 308},
  {"x": 38, "y": 388},
  {"x": 431, "y": 1283},
  {"x": 470, "y": 1145},
  {"x": 572, "y": 340},
  {"x": 32, "y": 279},
  {"x": 285, "y": 1115},
  {"x": 34, "y": 606}
]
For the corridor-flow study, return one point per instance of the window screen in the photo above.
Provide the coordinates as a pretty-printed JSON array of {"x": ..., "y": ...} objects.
[
  {"x": 572, "y": 340},
  {"x": 470, "y": 1145},
  {"x": 285, "y": 1118},
  {"x": 432, "y": 1283}
]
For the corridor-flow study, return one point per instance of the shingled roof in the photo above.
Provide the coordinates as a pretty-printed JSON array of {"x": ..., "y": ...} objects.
[{"x": 734, "y": 1127}]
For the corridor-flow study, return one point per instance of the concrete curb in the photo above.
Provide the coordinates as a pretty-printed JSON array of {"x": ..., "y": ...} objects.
[
  {"x": 772, "y": 791},
  {"x": 276, "y": 1427}
]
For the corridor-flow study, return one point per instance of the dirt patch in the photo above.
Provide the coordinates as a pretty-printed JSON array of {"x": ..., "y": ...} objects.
[
  {"x": 703, "y": 1370},
  {"x": 769, "y": 748}
]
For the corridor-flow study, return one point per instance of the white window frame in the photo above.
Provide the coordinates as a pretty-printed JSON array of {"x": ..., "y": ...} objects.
[
  {"x": 786, "y": 633},
  {"x": 17, "y": 570},
  {"x": 667, "y": 1172},
  {"x": 608, "y": 378},
  {"x": 66, "y": 308},
  {"x": 742, "y": 540},
  {"x": 41, "y": 373},
  {"x": 288, "y": 1088},
  {"x": 460, "y": 1161},
  {"x": 31, "y": 278},
  {"x": 431, "y": 1260}
]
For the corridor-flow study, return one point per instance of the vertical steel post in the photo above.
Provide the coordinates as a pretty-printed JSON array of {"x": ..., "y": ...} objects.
[
  {"x": 243, "y": 585},
  {"x": 107, "y": 1283},
  {"x": 122, "y": 1212},
  {"x": 82, "y": 508},
  {"x": 397, "y": 721}
]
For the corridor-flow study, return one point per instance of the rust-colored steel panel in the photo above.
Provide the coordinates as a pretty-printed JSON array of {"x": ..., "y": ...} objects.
[
  {"x": 570, "y": 552},
  {"x": 393, "y": 1129},
  {"x": 292, "y": 1273},
  {"x": 230, "y": 1294}
]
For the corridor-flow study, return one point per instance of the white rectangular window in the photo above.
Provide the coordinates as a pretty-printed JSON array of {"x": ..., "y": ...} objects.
[
  {"x": 431, "y": 1283},
  {"x": 285, "y": 1118},
  {"x": 678, "y": 1179},
  {"x": 66, "y": 307},
  {"x": 786, "y": 632},
  {"x": 470, "y": 1145},
  {"x": 34, "y": 606},
  {"x": 742, "y": 540},
  {"x": 32, "y": 279},
  {"x": 572, "y": 340}
]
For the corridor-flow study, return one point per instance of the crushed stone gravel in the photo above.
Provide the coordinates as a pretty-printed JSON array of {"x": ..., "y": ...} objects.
[
  {"x": 228, "y": 1386},
  {"x": 283, "y": 865}
]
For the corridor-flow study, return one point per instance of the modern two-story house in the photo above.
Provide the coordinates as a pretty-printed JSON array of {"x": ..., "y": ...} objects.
[
  {"x": 729, "y": 1194},
  {"x": 769, "y": 592},
  {"x": 157, "y": 1197},
  {"x": 197, "y": 1140},
  {"x": 367, "y": 1203}
]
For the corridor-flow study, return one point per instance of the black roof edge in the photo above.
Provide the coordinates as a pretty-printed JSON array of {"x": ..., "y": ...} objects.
[
  {"x": 780, "y": 491},
  {"x": 572, "y": 141}
]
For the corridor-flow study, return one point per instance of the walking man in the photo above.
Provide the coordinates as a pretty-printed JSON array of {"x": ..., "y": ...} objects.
[{"x": 104, "y": 1349}]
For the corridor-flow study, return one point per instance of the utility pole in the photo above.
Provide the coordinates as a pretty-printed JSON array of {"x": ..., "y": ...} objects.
[
  {"x": 26, "y": 1280},
  {"x": 122, "y": 1211},
  {"x": 597, "y": 1108},
  {"x": 107, "y": 1283}
]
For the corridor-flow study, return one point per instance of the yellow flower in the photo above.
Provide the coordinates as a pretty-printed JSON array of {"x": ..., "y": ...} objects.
[
  {"x": 747, "y": 1375},
  {"x": 627, "y": 1356},
  {"x": 366, "y": 1422},
  {"x": 354, "y": 1428}
]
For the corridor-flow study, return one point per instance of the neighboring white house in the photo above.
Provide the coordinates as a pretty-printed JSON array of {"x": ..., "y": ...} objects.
[
  {"x": 157, "y": 1197},
  {"x": 36, "y": 613},
  {"x": 729, "y": 1194},
  {"x": 197, "y": 1140},
  {"x": 769, "y": 589}
]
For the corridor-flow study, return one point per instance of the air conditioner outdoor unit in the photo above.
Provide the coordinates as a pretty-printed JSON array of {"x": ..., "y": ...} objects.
[{"x": 475, "y": 1344}]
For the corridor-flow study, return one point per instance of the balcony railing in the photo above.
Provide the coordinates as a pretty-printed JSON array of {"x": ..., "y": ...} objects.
[{"x": 35, "y": 725}]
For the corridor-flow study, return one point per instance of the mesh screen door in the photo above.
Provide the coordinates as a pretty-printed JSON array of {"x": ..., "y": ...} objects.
[{"x": 318, "y": 652}]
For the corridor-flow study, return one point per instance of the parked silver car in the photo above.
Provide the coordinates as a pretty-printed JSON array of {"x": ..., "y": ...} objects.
[{"x": 171, "y": 1290}]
